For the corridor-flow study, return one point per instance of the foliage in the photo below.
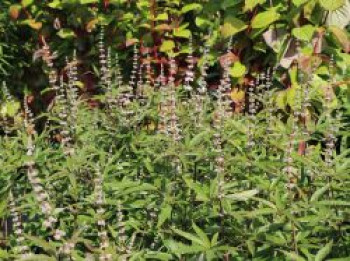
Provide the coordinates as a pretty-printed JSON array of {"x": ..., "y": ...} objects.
[
  {"x": 263, "y": 32},
  {"x": 123, "y": 183}
]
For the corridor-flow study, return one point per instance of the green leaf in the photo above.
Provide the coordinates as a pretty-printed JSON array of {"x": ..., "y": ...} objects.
[
  {"x": 201, "y": 235},
  {"x": 342, "y": 37},
  {"x": 293, "y": 256},
  {"x": 333, "y": 203},
  {"x": 237, "y": 70},
  {"x": 200, "y": 21},
  {"x": 4, "y": 254},
  {"x": 229, "y": 3},
  {"x": 184, "y": 33},
  {"x": 66, "y": 33},
  {"x": 318, "y": 193},
  {"x": 56, "y": 4},
  {"x": 191, "y": 7},
  {"x": 10, "y": 108},
  {"x": 3, "y": 206},
  {"x": 26, "y": 3},
  {"x": 167, "y": 45},
  {"x": 331, "y": 5},
  {"x": 244, "y": 195},
  {"x": 33, "y": 24},
  {"x": 162, "y": 17},
  {"x": 266, "y": 18},
  {"x": 298, "y": 3},
  {"x": 49, "y": 247},
  {"x": 158, "y": 256},
  {"x": 250, "y": 4},
  {"x": 85, "y": 2},
  {"x": 165, "y": 214},
  {"x": 33, "y": 257},
  {"x": 214, "y": 239},
  {"x": 232, "y": 26},
  {"x": 180, "y": 248},
  {"x": 324, "y": 252},
  {"x": 304, "y": 33},
  {"x": 190, "y": 237}
]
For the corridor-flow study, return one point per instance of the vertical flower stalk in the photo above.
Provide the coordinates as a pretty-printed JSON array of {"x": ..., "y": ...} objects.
[
  {"x": 48, "y": 59},
  {"x": 131, "y": 244},
  {"x": 203, "y": 71},
  {"x": 200, "y": 95},
  {"x": 40, "y": 193},
  {"x": 140, "y": 83},
  {"x": 251, "y": 123},
  {"x": 8, "y": 99},
  {"x": 21, "y": 248},
  {"x": 109, "y": 70},
  {"x": 65, "y": 133},
  {"x": 330, "y": 135},
  {"x": 225, "y": 82},
  {"x": 163, "y": 104},
  {"x": 289, "y": 170},
  {"x": 72, "y": 92},
  {"x": 126, "y": 94},
  {"x": 261, "y": 88},
  {"x": 148, "y": 81},
  {"x": 218, "y": 125},
  {"x": 121, "y": 227},
  {"x": 118, "y": 77},
  {"x": 269, "y": 105},
  {"x": 101, "y": 222},
  {"x": 108, "y": 79},
  {"x": 173, "y": 127},
  {"x": 189, "y": 73},
  {"x": 251, "y": 114},
  {"x": 305, "y": 103},
  {"x": 222, "y": 89},
  {"x": 103, "y": 59},
  {"x": 135, "y": 65}
]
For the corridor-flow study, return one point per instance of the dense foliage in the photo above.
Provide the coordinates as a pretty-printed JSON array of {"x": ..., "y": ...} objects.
[{"x": 175, "y": 130}]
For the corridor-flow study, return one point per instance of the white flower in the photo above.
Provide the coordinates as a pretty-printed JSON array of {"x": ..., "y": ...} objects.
[
  {"x": 104, "y": 244},
  {"x": 101, "y": 222},
  {"x": 59, "y": 234},
  {"x": 45, "y": 207}
]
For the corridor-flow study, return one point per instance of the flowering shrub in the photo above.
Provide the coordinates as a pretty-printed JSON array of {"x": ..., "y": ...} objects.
[{"x": 161, "y": 168}]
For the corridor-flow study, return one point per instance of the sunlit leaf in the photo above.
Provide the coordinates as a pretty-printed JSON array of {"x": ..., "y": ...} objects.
[
  {"x": 238, "y": 70},
  {"x": 191, "y": 7},
  {"x": 250, "y": 4},
  {"x": 324, "y": 252},
  {"x": 232, "y": 26},
  {"x": 244, "y": 195},
  {"x": 304, "y": 33},
  {"x": 66, "y": 33},
  {"x": 265, "y": 18},
  {"x": 167, "y": 46},
  {"x": 331, "y": 5}
]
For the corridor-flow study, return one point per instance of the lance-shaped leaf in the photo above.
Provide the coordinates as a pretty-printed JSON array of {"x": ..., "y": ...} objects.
[{"x": 244, "y": 195}]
